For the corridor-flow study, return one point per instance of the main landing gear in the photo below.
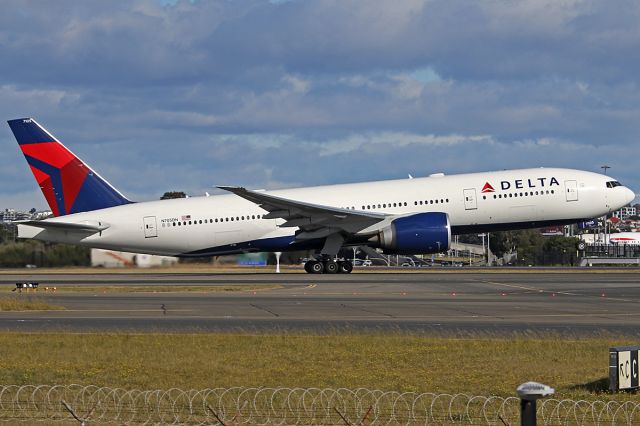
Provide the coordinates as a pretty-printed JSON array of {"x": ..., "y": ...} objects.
[{"x": 328, "y": 266}]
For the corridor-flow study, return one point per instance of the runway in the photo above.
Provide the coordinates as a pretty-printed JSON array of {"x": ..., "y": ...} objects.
[{"x": 578, "y": 303}]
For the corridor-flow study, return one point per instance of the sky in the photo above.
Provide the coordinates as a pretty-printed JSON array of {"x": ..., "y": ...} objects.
[{"x": 185, "y": 95}]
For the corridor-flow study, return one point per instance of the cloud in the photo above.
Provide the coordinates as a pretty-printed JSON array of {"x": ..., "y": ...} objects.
[{"x": 181, "y": 95}]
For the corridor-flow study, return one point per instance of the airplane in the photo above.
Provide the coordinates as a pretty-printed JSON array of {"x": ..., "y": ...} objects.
[
  {"x": 625, "y": 238},
  {"x": 406, "y": 216}
]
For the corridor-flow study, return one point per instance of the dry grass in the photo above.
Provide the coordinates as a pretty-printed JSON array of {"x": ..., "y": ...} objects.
[
  {"x": 576, "y": 368},
  {"x": 26, "y": 303}
]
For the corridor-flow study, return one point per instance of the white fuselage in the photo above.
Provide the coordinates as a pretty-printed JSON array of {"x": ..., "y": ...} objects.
[{"x": 227, "y": 224}]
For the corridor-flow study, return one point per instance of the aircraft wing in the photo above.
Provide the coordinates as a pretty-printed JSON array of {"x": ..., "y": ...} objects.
[
  {"x": 314, "y": 220},
  {"x": 86, "y": 226}
]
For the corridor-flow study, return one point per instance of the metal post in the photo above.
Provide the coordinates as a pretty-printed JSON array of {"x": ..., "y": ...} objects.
[
  {"x": 527, "y": 412},
  {"x": 530, "y": 392}
]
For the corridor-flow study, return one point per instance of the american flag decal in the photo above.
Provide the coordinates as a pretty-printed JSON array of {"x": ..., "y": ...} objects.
[{"x": 187, "y": 217}]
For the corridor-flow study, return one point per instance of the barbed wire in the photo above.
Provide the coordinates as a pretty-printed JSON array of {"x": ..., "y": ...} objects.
[{"x": 287, "y": 406}]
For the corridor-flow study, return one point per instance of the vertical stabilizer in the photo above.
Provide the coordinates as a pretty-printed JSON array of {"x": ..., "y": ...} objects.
[{"x": 68, "y": 184}]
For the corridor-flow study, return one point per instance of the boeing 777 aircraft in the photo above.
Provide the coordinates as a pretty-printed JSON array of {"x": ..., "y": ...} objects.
[{"x": 399, "y": 216}]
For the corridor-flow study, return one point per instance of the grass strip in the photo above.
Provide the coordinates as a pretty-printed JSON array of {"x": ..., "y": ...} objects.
[
  {"x": 18, "y": 303},
  {"x": 577, "y": 368}
]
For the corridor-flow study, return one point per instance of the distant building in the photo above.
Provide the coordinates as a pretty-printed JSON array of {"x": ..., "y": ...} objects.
[
  {"x": 121, "y": 259},
  {"x": 42, "y": 215},
  {"x": 625, "y": 213},
  {"x": 10, "y": 215},
  {"x": 552, "y": 231}
]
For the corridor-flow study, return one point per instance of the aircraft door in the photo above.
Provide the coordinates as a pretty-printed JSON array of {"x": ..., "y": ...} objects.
[
  {"x": 150, "y": 228},
  {"x": 571, "y": 190},
  {"x": 470, "y": 202}
]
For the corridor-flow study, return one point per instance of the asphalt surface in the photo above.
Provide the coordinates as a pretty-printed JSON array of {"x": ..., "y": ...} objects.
[{"x": 577, "y": 303}]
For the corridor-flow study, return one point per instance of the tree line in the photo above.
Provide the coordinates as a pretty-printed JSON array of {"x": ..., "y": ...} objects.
[
  {"x": 530, "y": 247},
  {"x": 20, "y": 253}
]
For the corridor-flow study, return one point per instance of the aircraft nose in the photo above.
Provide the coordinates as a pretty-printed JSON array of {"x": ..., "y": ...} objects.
[{"x": 629, "y": 195}]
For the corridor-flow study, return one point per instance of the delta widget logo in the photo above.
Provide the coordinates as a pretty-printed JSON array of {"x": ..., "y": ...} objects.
[{"x": 488, "y": 188}]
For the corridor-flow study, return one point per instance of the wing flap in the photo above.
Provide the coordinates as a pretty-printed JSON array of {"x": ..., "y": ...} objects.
[{"x": 314, "y": 220}]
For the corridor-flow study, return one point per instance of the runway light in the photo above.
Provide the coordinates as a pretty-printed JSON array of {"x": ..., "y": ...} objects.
[
  {"x": 254, "y": 292},
  {"x": 453, "y": 294},
  {"x": 503, "y": 294},
  {"x": 553, "y": 295},
  {"x": 603, "y": 295}
]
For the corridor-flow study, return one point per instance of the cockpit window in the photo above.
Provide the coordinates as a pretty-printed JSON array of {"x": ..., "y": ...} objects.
[{"x": 613, "y": 184}]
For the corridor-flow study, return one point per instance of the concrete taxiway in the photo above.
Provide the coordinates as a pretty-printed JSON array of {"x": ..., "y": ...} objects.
[{"x": 577, "y": 303}]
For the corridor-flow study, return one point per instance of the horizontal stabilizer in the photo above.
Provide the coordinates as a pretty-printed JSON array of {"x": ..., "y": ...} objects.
[{"x": 85, "y": 226}]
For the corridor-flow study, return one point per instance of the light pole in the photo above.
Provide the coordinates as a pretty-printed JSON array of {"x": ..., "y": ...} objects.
[
  {"x": 606, "y": 239},
  {"x": 484, "y": 252}
]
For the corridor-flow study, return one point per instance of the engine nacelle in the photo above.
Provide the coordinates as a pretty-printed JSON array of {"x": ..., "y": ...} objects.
[{"x": 421, "y": 233}]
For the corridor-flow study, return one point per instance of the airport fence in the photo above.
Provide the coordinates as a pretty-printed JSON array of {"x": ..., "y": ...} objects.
[{"x": 71, "y": 404}]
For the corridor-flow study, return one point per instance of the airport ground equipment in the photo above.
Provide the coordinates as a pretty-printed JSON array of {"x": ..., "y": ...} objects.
[{"x": 26, "y": 286}]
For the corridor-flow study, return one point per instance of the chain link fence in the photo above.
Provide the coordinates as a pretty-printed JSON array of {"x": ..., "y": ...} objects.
[{"x": 286, "y": 406}]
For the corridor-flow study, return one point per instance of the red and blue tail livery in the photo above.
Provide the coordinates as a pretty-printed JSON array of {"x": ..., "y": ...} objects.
[{"x": 68, "y": 184}]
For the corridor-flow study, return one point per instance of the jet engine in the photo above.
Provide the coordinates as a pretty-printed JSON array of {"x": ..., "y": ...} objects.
[{"x": 421, "y": 233}]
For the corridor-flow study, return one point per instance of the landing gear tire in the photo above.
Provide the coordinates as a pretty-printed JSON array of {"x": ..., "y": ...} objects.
[
  {"x": 314, "y": 267},
  {"x": 330, "y": 267},
  {"x": 345, "y": 267}
]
